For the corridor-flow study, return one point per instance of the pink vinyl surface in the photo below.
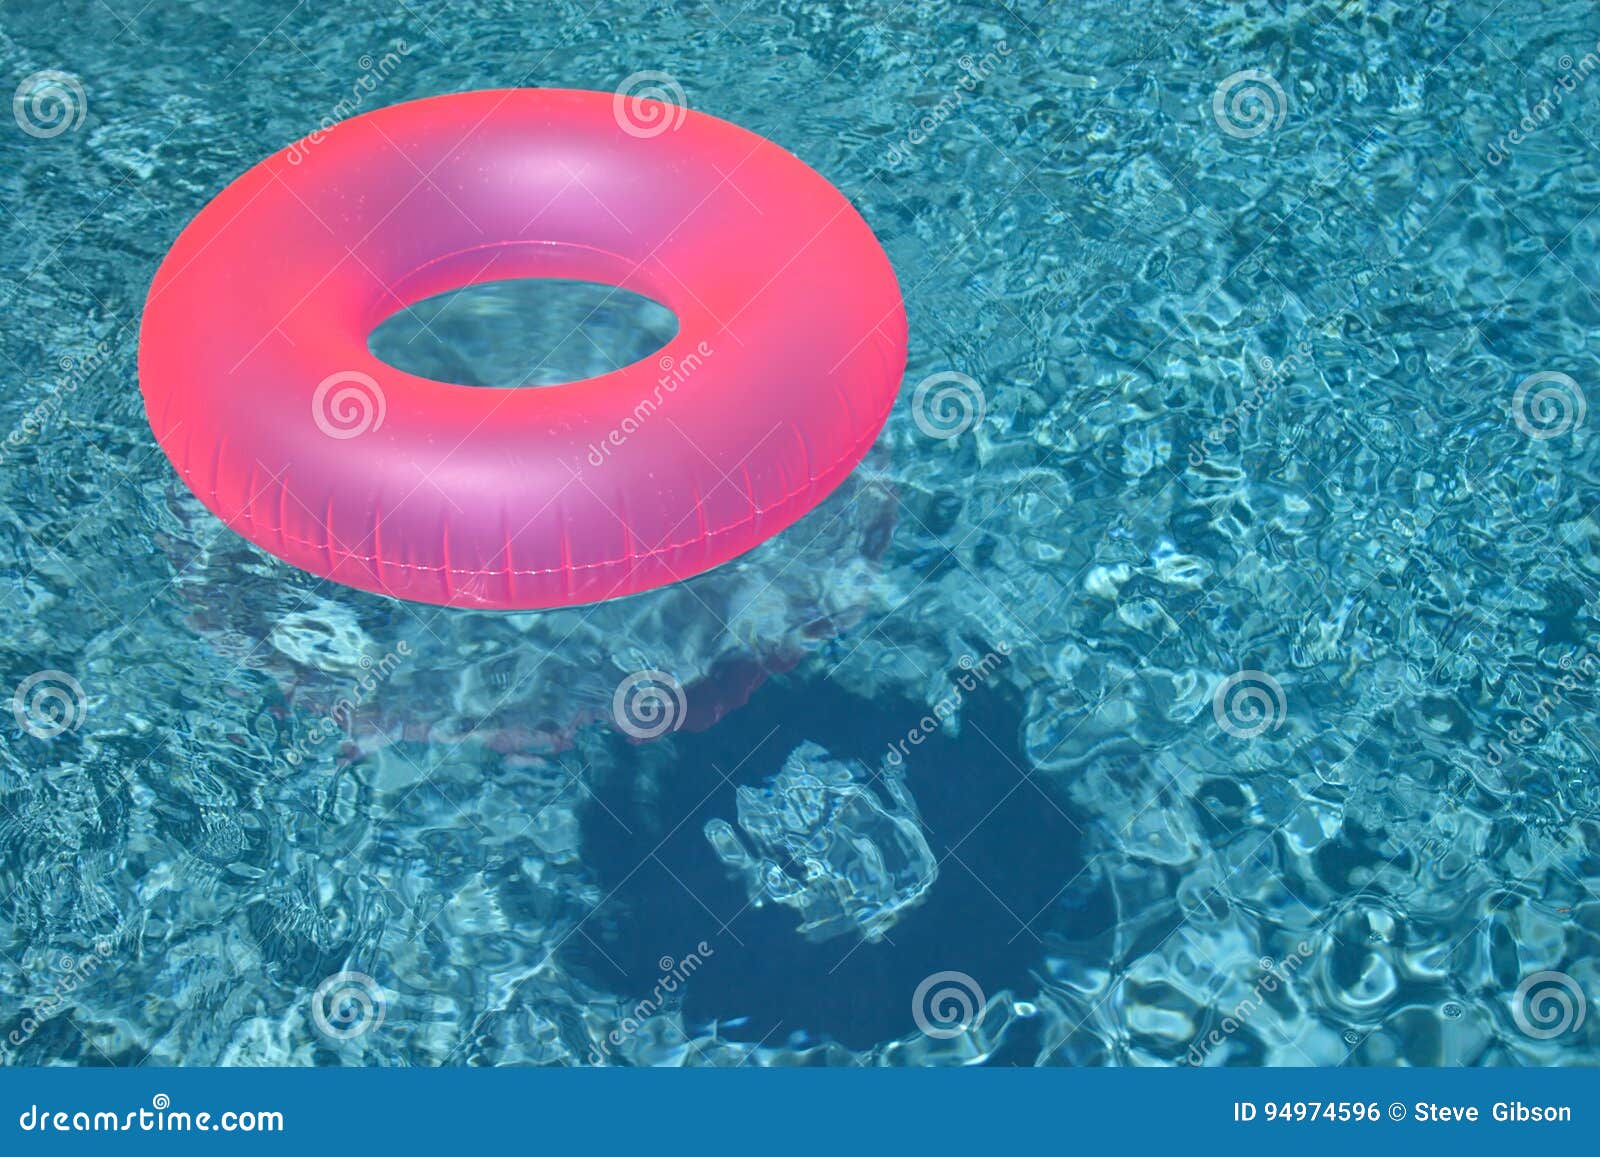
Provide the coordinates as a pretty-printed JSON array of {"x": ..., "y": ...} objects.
[{"x": 260, "y": 388}]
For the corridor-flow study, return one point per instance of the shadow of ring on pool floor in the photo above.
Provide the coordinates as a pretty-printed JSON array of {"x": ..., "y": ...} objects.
[{"x": 1005, "y": 852}]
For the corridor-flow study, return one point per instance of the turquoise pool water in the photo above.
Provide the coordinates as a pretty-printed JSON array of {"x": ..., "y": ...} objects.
[{"x": 1200, "y": 670}]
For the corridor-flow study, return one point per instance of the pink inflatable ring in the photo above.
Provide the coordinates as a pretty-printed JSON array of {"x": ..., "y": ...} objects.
[{"x": 260, "y": 388}]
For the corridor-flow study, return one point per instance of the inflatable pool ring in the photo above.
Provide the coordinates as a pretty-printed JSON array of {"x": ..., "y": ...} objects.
[{"x": 260, "y": 388}]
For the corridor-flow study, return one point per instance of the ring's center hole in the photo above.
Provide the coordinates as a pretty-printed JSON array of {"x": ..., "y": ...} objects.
[{"x": 536, "y": 331}]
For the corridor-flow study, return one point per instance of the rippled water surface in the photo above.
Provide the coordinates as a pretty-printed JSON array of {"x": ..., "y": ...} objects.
[{"x": 1201, "y": 669}]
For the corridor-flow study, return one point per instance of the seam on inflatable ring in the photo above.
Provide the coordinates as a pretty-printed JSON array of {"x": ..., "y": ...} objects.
[{"x": 634, "y": 557}]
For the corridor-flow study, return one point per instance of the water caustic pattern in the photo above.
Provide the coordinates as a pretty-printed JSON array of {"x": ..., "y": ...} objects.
[
  {"x": 1220, "y": 598},
  {"x": 826, "y": 845}
]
